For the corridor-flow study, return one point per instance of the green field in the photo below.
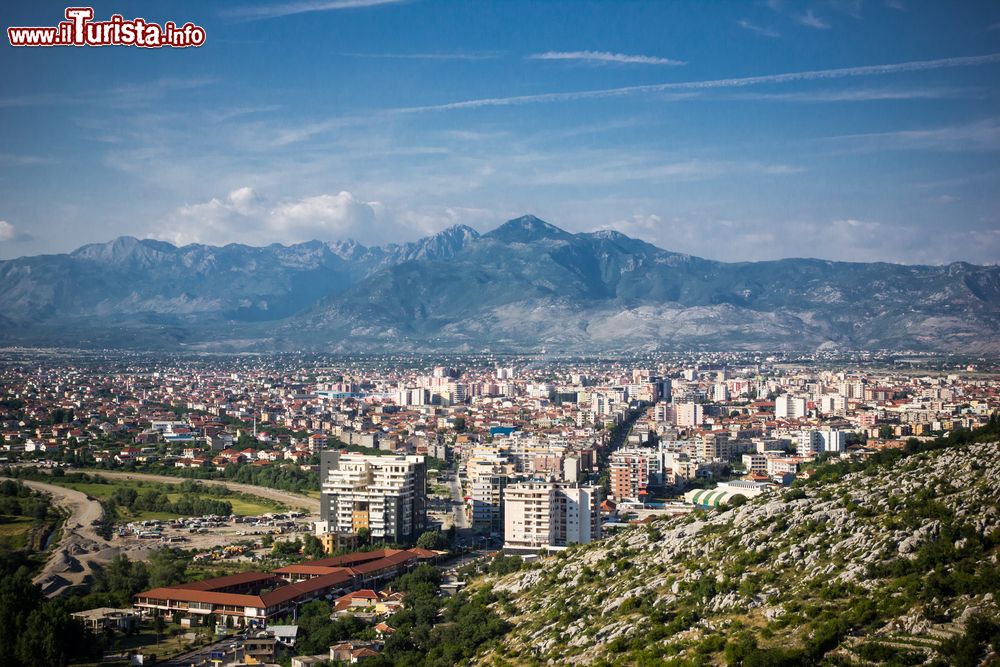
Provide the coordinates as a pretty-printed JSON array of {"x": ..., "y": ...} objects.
[
  {"x": 92, "y": 489},
  {"x": 243, "y": 505},
  {"x": 14, "y": 531}
]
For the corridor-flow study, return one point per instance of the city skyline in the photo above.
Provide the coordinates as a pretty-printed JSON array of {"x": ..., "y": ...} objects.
[{"x": 858, "y": 131}]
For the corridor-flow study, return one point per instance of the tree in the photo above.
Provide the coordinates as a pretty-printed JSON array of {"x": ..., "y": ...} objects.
[
  {"x": 18, "y": 596},
  {"x": 122, "y": 578},
  {"x": 433, "y": 540},
  {"x": 501, "y": 565},
  {"x": 312, "y": 546},
  {"x": 36, "y": 631},
  {"x": 318, "y": 632},
  {"x": 738, "y": 500},
  {"x": 52, "y": 637},
  {"x": 166, "y": 567}
]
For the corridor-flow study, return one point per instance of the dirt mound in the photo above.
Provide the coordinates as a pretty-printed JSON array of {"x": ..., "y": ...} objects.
[
  {"x": 52, "y": 584},
  {"x": 62, "y": 562}
]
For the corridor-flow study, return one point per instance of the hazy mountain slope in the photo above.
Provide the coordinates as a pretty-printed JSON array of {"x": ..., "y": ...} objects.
[
  {"x": 529, "y": 283},
  {"x": 886, "y": 565},
  {"x": 159, "y": 283},
  {"x": 524, "y": 285}
]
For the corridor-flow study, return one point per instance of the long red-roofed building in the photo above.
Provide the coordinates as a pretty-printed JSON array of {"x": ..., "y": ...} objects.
[{"x": 262, "y": 597}]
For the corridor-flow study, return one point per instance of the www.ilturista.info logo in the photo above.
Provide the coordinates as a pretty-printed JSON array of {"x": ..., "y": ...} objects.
[{"x": 79, "y": 29}]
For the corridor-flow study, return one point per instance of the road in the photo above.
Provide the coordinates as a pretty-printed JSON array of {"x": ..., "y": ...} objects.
[
  {"x": 288, "y": 498},
  {"x": 231, "y": 648},
  {"x": 460, "y": 520},
  {"x": 79, "y": 545}
]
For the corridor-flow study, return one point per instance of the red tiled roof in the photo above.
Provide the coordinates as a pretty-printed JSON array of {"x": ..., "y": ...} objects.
[
  {"x": 349, "y": 559},
  {"x": 308, "y": 568},
  {"x": 365, "y": 593},
  {"x": 292, "y": 591},
  {"x": 389, "y": 561},
  {"x": 219, "y": 583},
  {"x": 210, "y": 597}
]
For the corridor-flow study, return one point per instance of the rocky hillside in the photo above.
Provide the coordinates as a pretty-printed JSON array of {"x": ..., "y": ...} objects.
[{"x": 893, "y": 564}]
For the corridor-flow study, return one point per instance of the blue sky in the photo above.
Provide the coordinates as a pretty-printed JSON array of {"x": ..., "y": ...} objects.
[{"x": 850, "y": 130}]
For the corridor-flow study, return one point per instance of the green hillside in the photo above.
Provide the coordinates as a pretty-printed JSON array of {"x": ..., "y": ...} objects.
[{"x": 894, "y": 561}]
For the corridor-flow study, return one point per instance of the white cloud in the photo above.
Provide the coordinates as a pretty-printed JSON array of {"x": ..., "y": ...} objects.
[
  {"x": 982, "y": 135},
  {"x": 258, "y": 12},
  {"x": 842, "y": 239},
  {"x": 479, "y": 55},
  {"x": 788, "y": 77},
  {"x": 858, "y": 95},
  {"x": 606, "y": 168},
  {"x": 24, "y": 160},
  {"x": 605, "y": 57},
  {"x": 764, "y": 31},
  {"x": 810, "y": 19},
  {"x": 11, "y": 234},
  {"x": 245, "y": 216}
]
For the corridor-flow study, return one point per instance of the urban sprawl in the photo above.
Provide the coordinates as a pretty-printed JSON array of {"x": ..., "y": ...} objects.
[{"x": 521, "y": 455}]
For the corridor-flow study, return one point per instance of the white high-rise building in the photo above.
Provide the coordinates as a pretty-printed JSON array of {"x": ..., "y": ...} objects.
[
  {"x": 807, "y": 443},
  {"x": 689, "y": 414},
  {"x": 812, "y": 442},
  {"x": 787, "y": 406},
  {"x": 541, "y": 515},
  {"x": 833, "y": 440},
  {"x": 832, "y": 404},
  {"x": 385, "y": 494},
  {"x": 663, "y": 412},
  {"x": 488, "y": 475}
]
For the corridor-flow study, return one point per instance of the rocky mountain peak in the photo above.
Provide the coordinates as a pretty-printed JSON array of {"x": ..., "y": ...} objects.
[{"x": 528, "y": 229}]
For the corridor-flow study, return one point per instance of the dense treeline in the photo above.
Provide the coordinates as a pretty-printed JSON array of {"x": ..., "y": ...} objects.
[
  {"x": 18, "y": 503},
  {"x": 18, "y": 500},
  {"x": 156, "y": 500},
  {"x": 196, "y": 499},
  {"x": 114, "y": 584},
  {"x": 318, "y": 633},
  {"x": 280, "y": 476},
  {"x": 287, "y": 477},
  {"x": 36, "y": 631},
  {"x": 438, "y": 632}
]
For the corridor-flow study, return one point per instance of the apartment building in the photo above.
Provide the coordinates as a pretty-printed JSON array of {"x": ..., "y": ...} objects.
[
  {"x": 787, "y": 406},
  {"x": 386, "y": 495},
  {"x": 544, "y": 515},
  {"x": 811, "y": 442},
  {"x": 689, "y": 414},
  {"x": 632, "y": 470},
  {"x": 488, "y": 476}
]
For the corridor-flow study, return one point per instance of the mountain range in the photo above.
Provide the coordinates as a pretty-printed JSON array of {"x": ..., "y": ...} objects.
[{"x": 526, "y": 285}]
